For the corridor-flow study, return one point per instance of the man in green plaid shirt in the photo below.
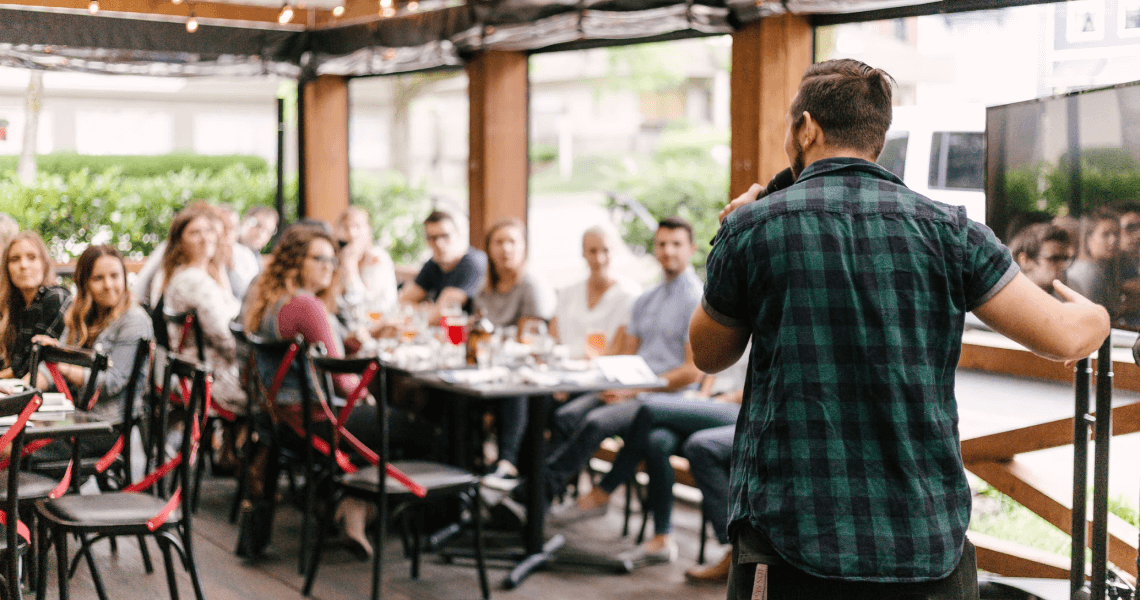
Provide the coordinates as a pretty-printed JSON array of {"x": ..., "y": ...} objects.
[{"x": 847, "y": 480}]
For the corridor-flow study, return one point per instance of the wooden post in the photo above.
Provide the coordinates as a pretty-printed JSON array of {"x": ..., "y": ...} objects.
[
  {"x": 497, "y": 159},
  {"x": 769, "y": 58},
  {"x": 325, "y": 111}
]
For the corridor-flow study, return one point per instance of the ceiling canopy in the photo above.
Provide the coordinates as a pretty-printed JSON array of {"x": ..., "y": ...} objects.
[{"x": 376, "y": 37}]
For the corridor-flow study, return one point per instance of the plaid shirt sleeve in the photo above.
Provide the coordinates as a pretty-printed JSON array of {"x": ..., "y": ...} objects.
[
  {"x": 725, "y": 287},
  {"x": 987, "y": 265}
]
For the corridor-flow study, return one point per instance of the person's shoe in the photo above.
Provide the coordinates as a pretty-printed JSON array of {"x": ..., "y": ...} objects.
[
  {"x": 639, "y": 556},
  {"x": 712, "y": 573},
  {"x": 505, "y": 477},
  {"x": 572, "y": 513}
]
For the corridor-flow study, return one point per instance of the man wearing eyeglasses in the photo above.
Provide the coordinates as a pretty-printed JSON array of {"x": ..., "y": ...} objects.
[
  {"x": 1043, "y": 252},
  {"x": 454, "y": 272}
]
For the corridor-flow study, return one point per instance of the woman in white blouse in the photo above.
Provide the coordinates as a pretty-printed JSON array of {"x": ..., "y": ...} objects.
[{"x": 591, "y": 316}]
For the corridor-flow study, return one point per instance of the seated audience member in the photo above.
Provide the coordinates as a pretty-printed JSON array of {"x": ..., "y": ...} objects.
[
  {"x": 30, "y": 303},
  {"x": 658, "y": 332},
  {"x": 512, "y": 296},
  {"x": 368, "y": 277},
  {"x": 661, "y": 428},
  {"x": 1043, "y": 251},
  {"x": 258, "y": 227},
  {"x": 1129, "y": 258},
  {"x": 296, "y": 294},
  {"x": 8, "y": 229},
  {"x": 1094, "y": 273},
  {"x": 103, "y": 315},
  {"x": 588, "y": 314},
  {"x": 244, "y": 264},
  {"x": 454, "y": 273},
  {"x": 195, "y": 279},
  {"x": 149, "y": 284}
]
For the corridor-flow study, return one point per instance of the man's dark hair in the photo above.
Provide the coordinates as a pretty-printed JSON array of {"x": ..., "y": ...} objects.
[
  {"x": 1032, "y": 237},
  {"x": 850, "y": 100},
  {"x": 677, "y": 223},
  {"x": 437, "y": 216},
  {"x": 259, "y": 210}
]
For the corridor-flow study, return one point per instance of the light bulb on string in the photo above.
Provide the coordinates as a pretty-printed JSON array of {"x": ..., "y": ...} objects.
[
  {"x": 338, "y": 10},
  {"x": 413, "y": 6},
  {"x": 93, "y": 7},
  {"x": 286, "y": 14},
  {"x": 192, "y": 24},
  {"x": 176, "y": 1}
]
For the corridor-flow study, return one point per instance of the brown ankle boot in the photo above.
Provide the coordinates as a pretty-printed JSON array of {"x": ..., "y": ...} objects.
[{"x": 718, "y": 572}]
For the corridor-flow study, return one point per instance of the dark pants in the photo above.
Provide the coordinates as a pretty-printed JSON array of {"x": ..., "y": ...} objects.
[
  {"x": 511, "y": 426},
  {"x": 579, "y": 427},
  {"x": 663, "y": 423},
  {"x": 783, "y": 581},
  {"x": 708, "y": 452}
]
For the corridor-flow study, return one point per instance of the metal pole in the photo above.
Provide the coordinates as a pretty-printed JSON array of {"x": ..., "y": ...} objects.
[
  {"x": 1078, "y": 588},
  {"x": 280, "y": 200},
  {"x": 1102, "y": 431}
]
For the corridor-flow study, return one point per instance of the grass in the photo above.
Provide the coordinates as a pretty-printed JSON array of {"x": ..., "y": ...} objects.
[
  {"x": 1002, "y": 517},
  {"x": 588, "y": 174}
]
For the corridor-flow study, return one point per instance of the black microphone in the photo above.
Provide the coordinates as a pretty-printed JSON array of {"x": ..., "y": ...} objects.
[{"x": 779, "y": 182}]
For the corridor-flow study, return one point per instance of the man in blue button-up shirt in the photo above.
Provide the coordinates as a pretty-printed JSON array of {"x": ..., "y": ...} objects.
[{"x": 658, "y": 331}]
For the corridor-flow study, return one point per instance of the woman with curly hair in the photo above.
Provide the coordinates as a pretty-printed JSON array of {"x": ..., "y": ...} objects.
[
  {"x": 30, "y": 302},
  {"x": 103, "y": 315},
  {"x": 297, "y": 294},
  {"x": 194, "y": 279}
]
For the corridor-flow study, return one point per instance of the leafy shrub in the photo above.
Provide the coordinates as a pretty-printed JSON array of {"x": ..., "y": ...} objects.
[
  {"x": 686, "y": 184},
  {"x": 66, "y": 163},
  {"x": 543, "y": 153},
  {"x": 74, "y": 210}
]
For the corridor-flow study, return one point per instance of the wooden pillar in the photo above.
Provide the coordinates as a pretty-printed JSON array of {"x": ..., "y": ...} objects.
[
  {"x": 325, "y": 147},
  {"x": 769, "y": 58},
  {"x": 497, "y": 158}
]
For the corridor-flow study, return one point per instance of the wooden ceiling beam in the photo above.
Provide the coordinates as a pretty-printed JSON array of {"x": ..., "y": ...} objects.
[{"x": 203, "y": 10}]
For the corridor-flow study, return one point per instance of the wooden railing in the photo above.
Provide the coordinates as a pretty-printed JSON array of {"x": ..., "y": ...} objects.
[{"x": 994, "y": 459}]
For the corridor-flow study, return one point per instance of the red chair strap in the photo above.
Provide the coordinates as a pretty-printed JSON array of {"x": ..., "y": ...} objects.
[
  {"x": 21, "y": 421},
  {"x": 154, "y": 476},
  {"x": 21, "y": 528},
  {"x": 187, "y": 323},
  {"x": 282, "y": 369},
  {"x": 64, "y": 482},
  {"x": 160, "y": 518},
  {"x": 110, "y": 456},
  {"x": 60, "y": 383}
]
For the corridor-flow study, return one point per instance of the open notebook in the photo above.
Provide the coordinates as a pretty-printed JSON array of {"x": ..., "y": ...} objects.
[{"x": 55, "y": 406}]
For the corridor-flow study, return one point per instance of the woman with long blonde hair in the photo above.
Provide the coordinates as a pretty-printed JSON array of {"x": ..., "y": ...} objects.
[
  {"x": 105, "y": 316},
  {"x": 30, "y": 302}
]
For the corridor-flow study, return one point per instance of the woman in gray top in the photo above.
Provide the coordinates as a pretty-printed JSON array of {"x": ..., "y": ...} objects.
[
  {"x": 512, "y": 296},
  {"x": 103, "y": 316}
]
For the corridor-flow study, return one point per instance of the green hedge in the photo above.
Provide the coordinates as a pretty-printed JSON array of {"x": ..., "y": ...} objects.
[
  {"x": 66, "y": 163},
  {"x": 75, "y": 210}
]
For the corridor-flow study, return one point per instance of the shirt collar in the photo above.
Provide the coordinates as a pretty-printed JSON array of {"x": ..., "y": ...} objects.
[{"x": 827, "y": 166}]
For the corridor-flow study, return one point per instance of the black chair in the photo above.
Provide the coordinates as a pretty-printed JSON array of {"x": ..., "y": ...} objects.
[
  {"x": 288, "y": 356},
  {"x": 145, "y": 508},
  {"x": 17, "y": 537},
  {"x": 189, "y": 328},
  {"x": 374, "y": 484}
]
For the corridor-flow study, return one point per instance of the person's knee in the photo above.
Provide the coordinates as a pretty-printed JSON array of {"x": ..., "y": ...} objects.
[{"x": 662, "y": 443}]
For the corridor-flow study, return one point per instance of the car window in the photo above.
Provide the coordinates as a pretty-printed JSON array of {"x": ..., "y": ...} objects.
[{"x": 957, "y": 160}]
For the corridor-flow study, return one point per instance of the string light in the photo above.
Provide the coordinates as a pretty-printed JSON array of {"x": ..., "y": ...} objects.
[
  {"x": 93, "y": 7},
  {"x": 338, "y": 10},
  {"x": 388, "y": 12},
  {"x": 386, "y": 3},
  {"x": 413, "y": 6},
  {"x": 176, "y": 1},
  {"x": 286, "y": 14},
  {"x": 192, "y": 22}
]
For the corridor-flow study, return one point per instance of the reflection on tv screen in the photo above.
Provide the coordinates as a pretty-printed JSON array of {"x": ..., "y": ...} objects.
[{"x": 1063, "y": 187}]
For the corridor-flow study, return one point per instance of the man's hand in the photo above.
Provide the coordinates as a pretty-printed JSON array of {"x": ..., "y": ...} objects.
[
  {"x": 1072, "y": 296},
  {"x": 750, "y": 195},
  {"x": 613, "y": 397}
]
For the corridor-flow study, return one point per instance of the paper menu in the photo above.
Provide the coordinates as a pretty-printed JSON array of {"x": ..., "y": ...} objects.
[{"x": 630, "y": 370}]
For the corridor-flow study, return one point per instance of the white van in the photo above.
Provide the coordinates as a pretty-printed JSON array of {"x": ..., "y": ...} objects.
[{"x": 940, "y": 152}]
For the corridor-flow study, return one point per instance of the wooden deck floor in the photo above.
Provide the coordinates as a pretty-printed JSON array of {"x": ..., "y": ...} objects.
[{"x": 342, "y": 577}]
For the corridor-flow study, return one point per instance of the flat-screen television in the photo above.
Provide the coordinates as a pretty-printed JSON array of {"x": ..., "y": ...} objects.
[{"x": 1063, "y": 186}]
